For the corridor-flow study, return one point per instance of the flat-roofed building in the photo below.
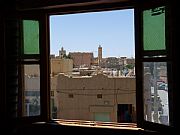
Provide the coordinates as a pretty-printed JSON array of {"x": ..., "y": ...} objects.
[
  {"x": 82, "y": 59},
  {"x": 98, "y": 97}
]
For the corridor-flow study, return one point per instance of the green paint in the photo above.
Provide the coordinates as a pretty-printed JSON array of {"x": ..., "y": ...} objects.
[
  {"x": 154, "y": 29},
  {"x": 103, "y": 116},
  {"x": 31, "y": 36}
]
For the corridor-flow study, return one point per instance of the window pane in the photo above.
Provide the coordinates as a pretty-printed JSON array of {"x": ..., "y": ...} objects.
[
  {"x": 31, "y": 36},
  {"x": 154, "y": 29},
  {"x": 156, "y": 107},
  {"x": 31, "y": 90}
]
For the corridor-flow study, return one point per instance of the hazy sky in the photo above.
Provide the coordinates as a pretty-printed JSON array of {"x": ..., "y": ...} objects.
[{"x": 84, "y": 32}]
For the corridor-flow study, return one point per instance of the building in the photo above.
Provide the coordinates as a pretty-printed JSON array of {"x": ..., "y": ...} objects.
[
  {"x": 95, "y": 98},
  {"x": 110, "y": 62},
  {"x": 61, "y": 65},
  {"x": 62, "y": 52},
  {"x": 32, "y": 96},
  {"x": 99, "y": 55},
  {"x": 32, "y": 70},
  {"x": 130, "y": 61},
  {"x": 81, "y": 59}
]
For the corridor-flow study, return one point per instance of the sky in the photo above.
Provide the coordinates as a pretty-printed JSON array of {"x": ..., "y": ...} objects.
[{"x": 84, "y": 32}]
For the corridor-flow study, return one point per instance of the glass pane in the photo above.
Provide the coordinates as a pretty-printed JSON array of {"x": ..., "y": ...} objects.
[
  {"x": 156, "y": 104},
  {"x": 154, "y": 29},
  {"x": 31, "y": 90},
  {"x": 31, "y": 36}
]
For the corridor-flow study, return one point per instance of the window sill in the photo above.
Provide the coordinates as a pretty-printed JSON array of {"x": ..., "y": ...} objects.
[
  {"x": 98, "y": 124},
  {"x": 82, "y": 127}
]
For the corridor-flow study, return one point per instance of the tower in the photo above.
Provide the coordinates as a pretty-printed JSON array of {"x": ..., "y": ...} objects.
[
  {"x": 62, "y": 52},
  {"x": 99, "y": 55}
]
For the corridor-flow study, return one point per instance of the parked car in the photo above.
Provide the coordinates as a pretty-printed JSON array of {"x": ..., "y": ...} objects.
[{"x": 163, "y": 86}]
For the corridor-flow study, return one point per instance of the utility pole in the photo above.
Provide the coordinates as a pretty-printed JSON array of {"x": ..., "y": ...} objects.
[
  {"x": 155, "y": 115},
  {"x": 147, "y": 96}
]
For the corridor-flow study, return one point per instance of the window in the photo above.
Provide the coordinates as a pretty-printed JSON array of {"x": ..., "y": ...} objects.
[
  {"x": 30, "y": 68},
  {"x": 154, "y": 72},
  {"x": 32, "y": 92},
  {"x": 153, "y": 64},
  {"x": 92, "y": 61},
  {"x": 99, "y": 95}
]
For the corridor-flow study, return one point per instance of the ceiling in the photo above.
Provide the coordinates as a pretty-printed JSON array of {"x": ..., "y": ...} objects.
[{"x": 49, "y": 4}]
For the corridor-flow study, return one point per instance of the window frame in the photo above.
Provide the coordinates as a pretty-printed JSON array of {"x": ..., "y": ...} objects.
[
  {"x": 138, "y": 7},
  {"x": 148, "y": 56},
  {"x": 37, "y": 59}
]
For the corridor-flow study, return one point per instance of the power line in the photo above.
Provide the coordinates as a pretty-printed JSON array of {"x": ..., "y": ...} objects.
[
  {"x": 102, "y": 89},
  {"x": 84, "y": 89},
  {"x": 85, "y": 94}
]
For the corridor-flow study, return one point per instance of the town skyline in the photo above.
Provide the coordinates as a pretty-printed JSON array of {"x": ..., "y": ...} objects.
[
  {"x": 84, "y": 32},
  {"x": 95, "y": 56}
]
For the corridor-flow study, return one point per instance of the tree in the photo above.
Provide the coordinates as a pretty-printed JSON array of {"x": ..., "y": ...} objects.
[{"x": 129, "y": 66}]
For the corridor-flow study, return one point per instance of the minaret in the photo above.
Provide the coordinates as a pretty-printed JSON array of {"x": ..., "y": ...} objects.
[{"x": 99, "y": 55}]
